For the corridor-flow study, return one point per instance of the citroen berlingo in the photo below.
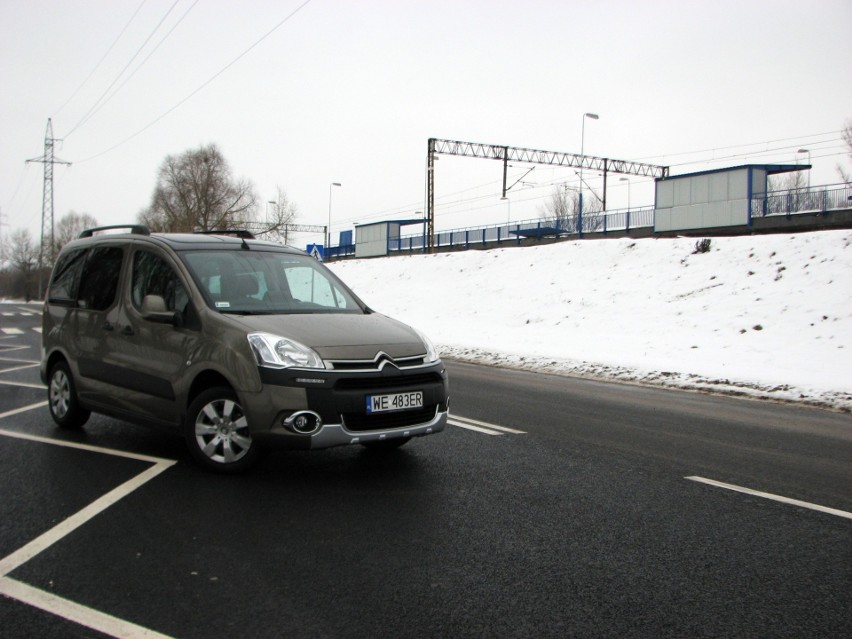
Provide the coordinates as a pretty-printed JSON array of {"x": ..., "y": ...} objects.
[{"x": 240, "y": 343}]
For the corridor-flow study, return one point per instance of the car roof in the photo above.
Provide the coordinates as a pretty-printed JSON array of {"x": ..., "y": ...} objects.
[{"x": 180, "y": 241}]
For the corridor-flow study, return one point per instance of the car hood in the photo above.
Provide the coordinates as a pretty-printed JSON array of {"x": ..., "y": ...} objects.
[{"x": 341, "y": 336}]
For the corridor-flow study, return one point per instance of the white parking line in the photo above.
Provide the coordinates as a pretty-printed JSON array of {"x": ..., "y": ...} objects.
[
  {"x": 69, "y": 525},
  {"x": 18, "y": 368},
  {"x": 75, "y": 612},
  {"x": 482, "y": 427},
  {"x": 12, "y": 331},
  {"x": 8, "y": 382},
  {"x": 778, "y": 498},
  {"x": 64, "y": 608}
]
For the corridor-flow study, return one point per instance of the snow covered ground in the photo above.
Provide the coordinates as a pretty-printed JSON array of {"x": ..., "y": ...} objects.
[{"x": 765, "y": 316}]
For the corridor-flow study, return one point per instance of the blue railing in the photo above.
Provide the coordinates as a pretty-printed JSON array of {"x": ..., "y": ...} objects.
[
  {"x": 515, "y": 232},
  {"x": 803, "y": 201},
  {"x": 795, "y": 202}
]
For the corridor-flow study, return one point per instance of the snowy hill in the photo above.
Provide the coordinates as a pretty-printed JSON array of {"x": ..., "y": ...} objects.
[{"x": 766, "y": 316}]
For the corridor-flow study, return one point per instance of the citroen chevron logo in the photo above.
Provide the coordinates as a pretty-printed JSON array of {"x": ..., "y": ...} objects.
[{"x": 382, "y": 359}]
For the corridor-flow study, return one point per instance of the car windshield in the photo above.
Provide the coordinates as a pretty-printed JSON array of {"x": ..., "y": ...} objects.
[{"x": 258, "y": 282}]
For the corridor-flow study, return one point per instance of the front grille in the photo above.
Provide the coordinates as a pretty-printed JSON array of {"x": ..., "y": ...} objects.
[
  {"x": 375, "y": 364},
  {"x": 401, "y": 381},
  {"x": 359, "y": 422}
]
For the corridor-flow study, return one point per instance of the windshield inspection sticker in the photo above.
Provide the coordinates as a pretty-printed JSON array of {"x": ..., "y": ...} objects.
[{"x": 223, "y": 305}]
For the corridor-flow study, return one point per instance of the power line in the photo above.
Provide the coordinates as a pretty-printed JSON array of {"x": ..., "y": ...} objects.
[
  {"x": 446, "y": 208},
  {"x": 100, "y": 101},
  {"x": 145, "y": 59},
  {"x": 100, "y": 62},
  {"x": 737, "y": 146},
  {"x": 202, "y": 86}
]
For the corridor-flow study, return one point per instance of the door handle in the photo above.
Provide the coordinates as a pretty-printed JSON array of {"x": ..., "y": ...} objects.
[{"x": 127, "y": 330}]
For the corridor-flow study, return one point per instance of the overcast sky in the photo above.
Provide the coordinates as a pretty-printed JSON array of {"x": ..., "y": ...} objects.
[{"x": 350, "y": 92}]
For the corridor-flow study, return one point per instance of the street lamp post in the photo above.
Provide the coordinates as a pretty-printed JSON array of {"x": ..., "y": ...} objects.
[
  {"x": 328, "y": 228},
  {"x": 809, "y": 165},
  {"x": 624, "y": 179},
  {"x": 591, "y": 116}
]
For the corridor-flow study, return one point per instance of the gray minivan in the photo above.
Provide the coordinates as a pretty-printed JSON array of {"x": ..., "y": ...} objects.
[{"x": 242, "y": 344}]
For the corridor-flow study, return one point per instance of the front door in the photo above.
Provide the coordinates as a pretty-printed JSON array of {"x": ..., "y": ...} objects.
[{"x": 152, "y": 357}]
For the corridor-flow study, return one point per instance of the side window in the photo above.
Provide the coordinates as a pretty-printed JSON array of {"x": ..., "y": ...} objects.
[
  {"x": 99, "y": 282},
  {"x": 152, "y": 275},
  {"x": 66, "y": 277}
]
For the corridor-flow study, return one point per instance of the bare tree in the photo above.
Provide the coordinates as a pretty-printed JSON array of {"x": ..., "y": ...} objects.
[
  {"x": 563, "y": 208},
  {"x": 847, "y": 138},
  {"x": 69, "y": 228},
  {"x": 22, "y": 253},
  {"x": 280, "y": 215},
  {"x": 196, "y": 191},
  {"x": 792, "y": 181}
]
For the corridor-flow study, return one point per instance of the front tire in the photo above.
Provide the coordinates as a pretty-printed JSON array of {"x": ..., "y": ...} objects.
[
  {"x": 217, "y": 432},
  {"x": 62, "y": 398}
]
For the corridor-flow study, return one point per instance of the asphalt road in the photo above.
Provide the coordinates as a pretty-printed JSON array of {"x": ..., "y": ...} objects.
[{"x": 577, "y": 521}]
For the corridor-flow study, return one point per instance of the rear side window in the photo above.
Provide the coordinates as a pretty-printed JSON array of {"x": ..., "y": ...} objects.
[
  {"x": 99, "y": 282},
  {"x": 66, "y": 277}
]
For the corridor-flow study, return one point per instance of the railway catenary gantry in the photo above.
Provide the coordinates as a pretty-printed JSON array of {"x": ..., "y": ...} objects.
[{"x": 529, "y": 156}]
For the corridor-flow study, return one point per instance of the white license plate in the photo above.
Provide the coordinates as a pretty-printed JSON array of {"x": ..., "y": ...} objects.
[{"x": 394, "y": 401}]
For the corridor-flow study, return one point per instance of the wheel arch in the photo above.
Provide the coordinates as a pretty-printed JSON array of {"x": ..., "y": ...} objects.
[
  {"x": 206, "y": 379},
  {"x": 56, "y": 356}
]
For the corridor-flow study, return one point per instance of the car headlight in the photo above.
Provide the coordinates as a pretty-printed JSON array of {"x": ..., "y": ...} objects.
[
  {"x": 431, "y": 351},
  {"x": 274, "y": 351}
]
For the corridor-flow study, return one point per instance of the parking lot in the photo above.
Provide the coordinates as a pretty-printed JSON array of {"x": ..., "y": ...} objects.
[{"x": 514, "y": 522}]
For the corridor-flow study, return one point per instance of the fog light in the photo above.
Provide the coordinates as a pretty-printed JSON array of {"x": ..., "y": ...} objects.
[{"x": 303, "y": 422}]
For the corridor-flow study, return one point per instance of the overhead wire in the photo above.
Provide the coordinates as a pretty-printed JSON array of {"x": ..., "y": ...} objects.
[
  {"x": 144, "y": 60},
  {"x": 202, "y": 86},
  {"x": 444, "y": 209},
  {"x": 102, "y": 99},
  {"x": 101, "y": 61}
]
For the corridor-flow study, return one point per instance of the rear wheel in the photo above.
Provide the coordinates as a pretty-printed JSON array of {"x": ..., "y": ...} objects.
[
  {"x": 62, "y": 398},
  {"x": 217, "y": 432}
]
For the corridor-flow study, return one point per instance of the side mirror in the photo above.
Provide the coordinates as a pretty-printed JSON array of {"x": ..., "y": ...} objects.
[{"x": 154, "y": 310}]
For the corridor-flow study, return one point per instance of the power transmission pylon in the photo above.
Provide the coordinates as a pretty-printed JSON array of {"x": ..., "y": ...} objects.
[{"x": 48, "y": 160}]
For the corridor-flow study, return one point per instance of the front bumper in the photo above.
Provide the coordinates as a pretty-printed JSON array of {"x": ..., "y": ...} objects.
[
  {"x": 339, "y": 399},
  {"x": 337, "y": 434}
]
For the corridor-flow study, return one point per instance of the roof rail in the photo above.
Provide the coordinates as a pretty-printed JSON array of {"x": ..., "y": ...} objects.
[
  {"x": 240, "y": 233},
  {"x": 135, "y": 229}
]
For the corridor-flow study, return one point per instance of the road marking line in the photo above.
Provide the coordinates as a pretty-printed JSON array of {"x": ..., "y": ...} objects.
[
  {"x": 23, "y": 409},
  {"x": 8, "y": 348},
  {"x": 778, "y": 498},
  {"x": 75, "y": 445},
  {"x": 53, "y": 604},
  {"x": 17, "y": 368},
  {"x": 478, "y": 429},
  {"x": 55, "y": 534},
  {"x": 12, "y": 331},
  {"x": 18, "y": 361},
  {"x": 82, "y": 615},
  {"x": 476, "y": 422},
  {"x": 6, "y": 382}
]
